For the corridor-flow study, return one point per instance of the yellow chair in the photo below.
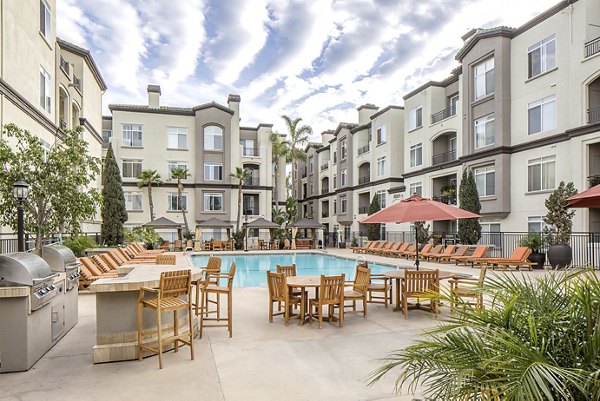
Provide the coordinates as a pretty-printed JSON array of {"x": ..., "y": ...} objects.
[
  {"x": 208, "y": 288},
  {"x": 167, "y": 298}
]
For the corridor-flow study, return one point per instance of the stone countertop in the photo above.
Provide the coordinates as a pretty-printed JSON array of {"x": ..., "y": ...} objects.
[{"x": 132, "y": 277}]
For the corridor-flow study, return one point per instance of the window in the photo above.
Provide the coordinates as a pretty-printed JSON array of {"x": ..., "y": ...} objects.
[
  {"x": 213, "y": 138},
  {"x": 132, "y": 168},
  {"x": 213, "y": 202},
  {"x": 416, "y": 188},
  {"x": 415, "y": 119},
  {"x": 45, "y": 90},
  {"x": 542, "y": 115},
  {"x": 173, "y": 202},
  {"x": 310, "y": 189},
  {"x": 484, "y": 131},
  {"x": 106, "y": 135},
  {"x": 251, "y": 204},
  {"x": 132, "y": 135},
  {"x": 343, "y": 204},
  {"x": 484, "y": 78},
  {"x": 45, "y": 22},
  {"x": 541, "y": 173},
  {"x": 177, "y": 138},
  {"x": 485, "y": 178},
  {"x": 133, "y": 201},
  {"x": 416, "y": 155},
  {"x": 541, "y": 56},
  {"x": 343, "y": 149},
  {"x": 535, "y": 224},
  {"x": 334, "y": 206},
  {"x": 343, "y": 178},
  {"x": 334, "y": 156},
  {"x": 248, "y": 146},
  {"x": 310, "y": 165},
  {"x": 334, "y": 181},
  {"x": 381, "y": 166},
  {"x": 453, "y": 104},
  {"x": 381, "y": 135},
  {"x": 213, "y": 171},
  {"x": 381, "y": 198},
  {"x": 174, "y": 165},
  {"x": 46, "y": 148}
]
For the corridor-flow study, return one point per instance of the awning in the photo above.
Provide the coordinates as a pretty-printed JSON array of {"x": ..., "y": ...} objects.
[
  {"x": 162, "y": 222},
  {"x": 214, "y": 222},
  {"x": 262, "y": 223}
]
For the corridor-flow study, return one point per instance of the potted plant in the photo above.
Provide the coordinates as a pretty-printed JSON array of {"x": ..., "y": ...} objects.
[
  {"x": 238, "y": 237},
  {"x": 354, "y": 241},
  {"x": 534, "y": 241},
  {"x": 559, "y": 222}
]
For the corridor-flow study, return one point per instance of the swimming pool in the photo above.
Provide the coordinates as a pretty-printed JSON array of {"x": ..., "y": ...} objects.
[{"x": 251, "y": 269}]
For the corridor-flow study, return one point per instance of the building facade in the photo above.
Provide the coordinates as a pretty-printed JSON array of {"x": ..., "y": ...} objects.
[
  {"x": 47, "y": 84},
  {"x": 522, "y": 112},
  {"x": 206, "y": 140}
]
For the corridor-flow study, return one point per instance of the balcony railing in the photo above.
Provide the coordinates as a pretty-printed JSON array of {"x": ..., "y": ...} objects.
[
  {"x": 324, "y": 191},
  {"x": 251, "y": 212},
  {"x": 363, "y": 149},
  {"x": 592, "y": 47},
  {"x": 252, "y": 180},
  {"x": 441, "y": 115},
  {"x": 593, "y": 115},
  {"x": 443, "y": 157},
  {"x": 64, "y": 65},
  {"x": 363, "y": 209},
  {"x": 324, "y": 166},
  {"x": 449, "y": 200},
  {"x": 62, "y": 123},
  {"x": 364, "y": 179},
  {"x": 250, "y": 152},
  {"x": 76, "y": 82},
  {"x": 325, "y": 215}
]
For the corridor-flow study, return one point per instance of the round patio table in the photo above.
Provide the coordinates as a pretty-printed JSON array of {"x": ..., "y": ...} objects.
[
  {"x": 303, "y": 282},
  {"x": 399, "y": 275}
]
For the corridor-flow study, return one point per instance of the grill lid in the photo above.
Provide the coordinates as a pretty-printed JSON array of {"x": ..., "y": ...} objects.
[
  {"x": 23, "y": 268},
  {"x": 59, "y": 257}
]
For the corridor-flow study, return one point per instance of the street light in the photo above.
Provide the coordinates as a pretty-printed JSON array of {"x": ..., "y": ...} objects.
[
  {"x": 20, "y": 193},
  {"x": 245, "y": 232}
]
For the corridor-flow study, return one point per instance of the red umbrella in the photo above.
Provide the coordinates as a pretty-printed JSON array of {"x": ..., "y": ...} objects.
[
  {"x": 416, "y": 208},
  {"x": 588, "y": 198}
]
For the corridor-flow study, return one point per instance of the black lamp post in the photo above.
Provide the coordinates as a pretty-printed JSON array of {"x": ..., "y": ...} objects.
[
  {"x": 20, "y": 193},
  {"x": 245, "y": 232}
]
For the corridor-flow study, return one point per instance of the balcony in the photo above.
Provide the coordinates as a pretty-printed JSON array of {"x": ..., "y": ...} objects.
[
  {"x": 442, "y": 115},
  {"x": 64, "y": 65},
  {"x": 76, "y": 82},
  {"x": 593, "y": 115},
  {"x": 448, "y": 200},
  {"x": 592, "y": 47},
  {"x": 363, "y": 209},
  {"x": 324, "y": 215},
  {"x": 324, "y": 191},
  {"x": 250, "y": 152},
  {"x": 253, "y": 179},
  {"x": 363, "y": 180},
  {"x": 62, "y": 123},
  {"x": 363, "y": 149},
  {"x": 443, "y": 157},
  {"x": 252, "y": 212},
  {"x": 324, "y": 166}
]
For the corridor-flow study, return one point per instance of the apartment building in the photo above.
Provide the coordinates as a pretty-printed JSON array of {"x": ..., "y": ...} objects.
[
  {"x": 522, "y": 112},
  {"x": 47, "y": 84},
  {"x": 209, "y": 142}
]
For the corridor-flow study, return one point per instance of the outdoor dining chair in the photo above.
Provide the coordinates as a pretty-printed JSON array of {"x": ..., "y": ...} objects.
[
  {"x": 331, "y": 293},
  {"x": 213, "y": 267},
  {"x": 278, "y": 292},
  {"x": 422, "y": 285},
  {"x": 469, "y": 288},
  {"x": 360, "y": 286}
]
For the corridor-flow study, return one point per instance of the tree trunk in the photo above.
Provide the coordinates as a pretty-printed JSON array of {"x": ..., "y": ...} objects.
[
  {"x": 185, "y": 222},
  {"x": 239, "y": 216},
  {"x": 150, "y": 202},
  {"x": 276, "y": 186}
]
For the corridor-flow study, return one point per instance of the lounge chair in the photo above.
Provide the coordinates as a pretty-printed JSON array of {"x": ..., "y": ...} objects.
[
  {"x": 413, "y": 254},
  {"x": 380, "y": 251},
  {"x": 460, "y": 251},
  {"x": 359, "y": 249},
  {"x": 411, "y": 249},
  {"x": 479, "y": 252},
  {"x": 398, "y": 252},
  {"x": 436, "y": 250},
  {"x": 518, "y": 260},
  {"x": 375, "y": 247},
  {"x": 447, "y": 252},
  {"x": 394, "y": 247}
]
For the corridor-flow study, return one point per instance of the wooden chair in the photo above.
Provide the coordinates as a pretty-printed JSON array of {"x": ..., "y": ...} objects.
[
  {"x": 468, "y": 287},
  {"x": 386, "y": 247},
  {"x": 166, "y": 245},
  {"x": 517, "y": 259},
  {"x": 359, "y": 248},
  {"x": 178, "y": 247},
  {"x": 436, "y": 250},
  {"x": 448, "y": 251},
  {"x": 360, "y": 286},
  {"x": 166, "y": 259},
  {"x": 288, "y": 271},
  {"x": 217, "y": 245},
  {"x": 261, "y": 244},
  {"x": 413, "y": 254},
  {"x": 398, "y": 252},
  {"x": 167, "y": 298},
  {"x": 460, "y": 251},
  {"x": 208, "y": 288},
  {"x": 331, "y": 293},
  {"x": 105, "y": 267},
  {"x": 420, "y": 284},
  {"x": 213, "y": 267},
  {"x": 278, "y": 292},
  {"x": 189, "y": 246},
  {"x": 207, "y": 246},
  {"x": 228, "y": 245},
  {"x": 395, "y": 246},
  {"x": 479, "y": 252}
]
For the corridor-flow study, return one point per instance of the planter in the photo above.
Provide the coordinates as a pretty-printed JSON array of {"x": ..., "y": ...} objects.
[
  {"x": 238, "y": 246},
  {"x": 559, "y": 256},
  {"x": 538, "y": 258},
  {"x": 342, "y": 244}
]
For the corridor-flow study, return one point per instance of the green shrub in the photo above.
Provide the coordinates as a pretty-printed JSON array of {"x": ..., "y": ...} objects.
[
  {"x": 79, "y": 244},
  {"x": 146, "y": 235}
]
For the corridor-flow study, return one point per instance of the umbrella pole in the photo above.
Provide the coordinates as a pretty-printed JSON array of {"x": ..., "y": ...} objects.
[{"x": 417, "y": 250}]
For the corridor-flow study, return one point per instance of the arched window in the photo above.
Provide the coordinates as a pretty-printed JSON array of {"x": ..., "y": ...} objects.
[{"x": 213, "y": 138}]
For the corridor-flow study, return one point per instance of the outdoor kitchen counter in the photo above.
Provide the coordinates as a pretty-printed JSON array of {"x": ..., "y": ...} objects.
[{"x": 116, "y": 311}]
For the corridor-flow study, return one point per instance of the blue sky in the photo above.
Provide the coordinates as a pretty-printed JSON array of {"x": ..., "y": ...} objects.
[{"x": 318, "y": 60}]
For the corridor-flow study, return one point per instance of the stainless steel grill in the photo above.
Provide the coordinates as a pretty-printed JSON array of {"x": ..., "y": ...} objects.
[
  {"x": 27, "y": 269},
  {"x": 62, "y": 259}
]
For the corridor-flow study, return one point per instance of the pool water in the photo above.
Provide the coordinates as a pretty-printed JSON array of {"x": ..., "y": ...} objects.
[{"x": 251, "y": 269}]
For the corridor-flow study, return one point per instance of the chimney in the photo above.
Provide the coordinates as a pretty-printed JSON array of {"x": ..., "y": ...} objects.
[
  {"x": 154, "y": 96},
  {"x": 233, "y": 102},
  {"x": 365, "y": 112}
]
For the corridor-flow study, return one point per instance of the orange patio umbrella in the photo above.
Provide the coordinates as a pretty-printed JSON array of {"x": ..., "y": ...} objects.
[
  {"x": 589, "y": 198},
  {"x": 415, "y": 209}
]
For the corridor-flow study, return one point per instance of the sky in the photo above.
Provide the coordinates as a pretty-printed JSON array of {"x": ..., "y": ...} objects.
[{"x": 314, "y": 59}]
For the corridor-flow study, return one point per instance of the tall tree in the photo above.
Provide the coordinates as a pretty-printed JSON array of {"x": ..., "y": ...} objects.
[
  {"x": 60, "y": 179},
  {"x": 559, "y": 219},
  {"x": 469, "y": 230},
  {"x": 241, "y": 174},
  {"x": 280, "y": 149},
  {"x": 148, "y": 178},
  {"x": 297, "y": 136},
  {"x": 113, "y": 210},
  {"x": 374, "y": 230},
  {"x": 181, "y": 174}
]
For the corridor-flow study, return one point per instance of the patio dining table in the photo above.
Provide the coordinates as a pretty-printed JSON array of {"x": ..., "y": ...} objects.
[{"x": 303, "y": 282}]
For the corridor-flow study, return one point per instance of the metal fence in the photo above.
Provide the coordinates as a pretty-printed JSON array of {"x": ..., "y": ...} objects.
[
  {"x": 8, "y": 241},
  {"x": 585, "y": 246}
]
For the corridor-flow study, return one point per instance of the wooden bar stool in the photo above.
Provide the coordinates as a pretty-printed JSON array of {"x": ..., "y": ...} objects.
[
  {"x": 208, "y": 288},
  {"x": 173, "y": 284}
]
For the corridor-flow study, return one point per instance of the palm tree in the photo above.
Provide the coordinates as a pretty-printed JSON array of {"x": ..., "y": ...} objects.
[
  {"x": 298, "y": 136},
  {"x": 280, "y": 149},
  {"x": 241, "y": 174},
  {"x": 536, "y": 339},
  {"x": 181, "y": 174},
  {"x": 147, "y": 179}
]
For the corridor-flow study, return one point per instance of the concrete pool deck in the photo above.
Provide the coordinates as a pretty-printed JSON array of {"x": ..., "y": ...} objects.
[{"x": 263, "y": 361}]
